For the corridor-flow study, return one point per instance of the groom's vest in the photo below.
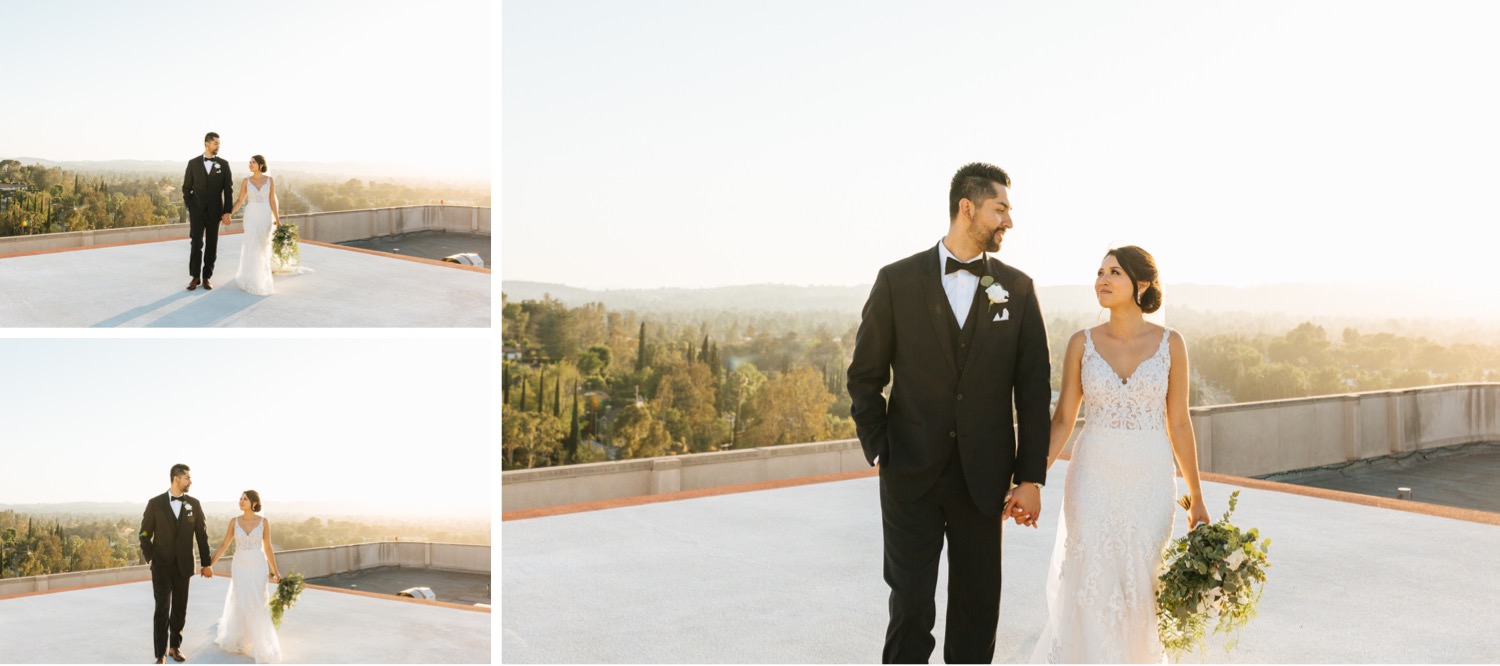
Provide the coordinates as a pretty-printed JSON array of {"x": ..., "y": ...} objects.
[{"x": 963, "y": 338}]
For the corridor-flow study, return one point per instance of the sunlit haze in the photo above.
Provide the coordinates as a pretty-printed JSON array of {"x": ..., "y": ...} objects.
[
  {"x": 398, "y": 83},
  {"x": 687, "y": 144},
  {"x": 384, "y": 426}
]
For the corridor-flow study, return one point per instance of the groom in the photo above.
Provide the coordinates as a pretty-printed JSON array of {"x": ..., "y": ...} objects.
[
  {"x": 168, "y": 529},
  {"x": 208, "y": 192},
  {"x": 961, "y": 334}
]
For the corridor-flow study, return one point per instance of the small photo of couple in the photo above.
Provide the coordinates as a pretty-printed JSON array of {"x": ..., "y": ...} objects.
[
  {"x": 245, "y": 501},
  {"x": 317, "y": 195}
]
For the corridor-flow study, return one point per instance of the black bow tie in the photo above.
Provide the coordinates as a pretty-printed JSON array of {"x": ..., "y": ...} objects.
[
  {"x": 976, "y": 267},
  {"x": 177, "y": 499},
  {"x": 208, "y": 159}
]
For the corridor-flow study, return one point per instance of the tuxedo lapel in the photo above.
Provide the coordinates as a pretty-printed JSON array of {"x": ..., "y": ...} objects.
[
  {"x": 986, "y": 312},
  {"x": 936, "y": 303},
  {"x": 167, "y": 529}
]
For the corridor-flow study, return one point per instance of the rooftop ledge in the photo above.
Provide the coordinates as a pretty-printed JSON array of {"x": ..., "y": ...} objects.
[
  {"x": 109, "y": 622},
  {"x": 137, "y": 277}
]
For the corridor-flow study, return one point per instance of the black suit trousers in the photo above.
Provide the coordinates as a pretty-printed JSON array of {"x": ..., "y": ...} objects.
[
  {"x": 204, "y": 231},
  {"x": 914, "y": 533},
  {"x": 170, "y": 586}
]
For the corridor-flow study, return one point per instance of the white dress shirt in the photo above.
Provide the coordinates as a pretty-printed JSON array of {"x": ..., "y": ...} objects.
[
  {"x": 208, "y": 165},
  {"x": 176, "y": 505},
  {"x": 959, "y": 285}
]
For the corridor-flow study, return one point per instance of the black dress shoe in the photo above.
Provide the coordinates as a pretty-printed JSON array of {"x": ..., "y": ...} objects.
[
  {"x": 176, "y": 655},
  {"x": 207, "y": 285},
  {"x": 194, "y": 284}
]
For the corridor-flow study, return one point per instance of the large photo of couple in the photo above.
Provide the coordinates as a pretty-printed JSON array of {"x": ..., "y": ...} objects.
[
  {"x": 319, "y": 194},
  {"x": 171, "y": 524},
  {"x": 997, "y": 333},
  {"x": 288, "y": 517}
]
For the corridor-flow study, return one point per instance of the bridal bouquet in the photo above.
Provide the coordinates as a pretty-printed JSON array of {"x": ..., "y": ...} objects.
[
  {"x": 1216, "y": 571},
  {"x": 284, "y": 245},
  {"x": 286, "y": 595}
]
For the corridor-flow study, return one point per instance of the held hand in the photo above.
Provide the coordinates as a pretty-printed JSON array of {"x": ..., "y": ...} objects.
[
  {"x": 1025, "y": 504},
  {"x": 225, "y": 219},
  {"x": 275, "y": 577},
  {"x": 208, "y": 572}
]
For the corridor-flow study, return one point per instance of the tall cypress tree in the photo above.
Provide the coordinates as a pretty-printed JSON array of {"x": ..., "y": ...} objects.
[
  {"x": 523, "y": 394},
  {"x": 557, "y": 396},
  {"x": 640, "y": 349},
  {"x": 703, "y": 351},
  {"x": 573, "y": 436}
]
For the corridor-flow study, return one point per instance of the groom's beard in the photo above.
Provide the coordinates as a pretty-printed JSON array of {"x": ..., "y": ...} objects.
[{"x": 988, "y": 241}]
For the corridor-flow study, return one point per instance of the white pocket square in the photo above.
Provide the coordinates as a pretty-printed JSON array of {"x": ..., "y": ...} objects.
[{"x": 1003, "y": 316}]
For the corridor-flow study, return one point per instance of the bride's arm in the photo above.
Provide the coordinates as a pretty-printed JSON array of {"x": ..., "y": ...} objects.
[
  {"x": 240, "y": 199},
  {"x": 1180, "y": 428},
  {"x": 265, "y": 544},
  {"x": 1069, "y": 397},
  {"x": 275, "y": 205},
  {"x": 228, "y": 539}
]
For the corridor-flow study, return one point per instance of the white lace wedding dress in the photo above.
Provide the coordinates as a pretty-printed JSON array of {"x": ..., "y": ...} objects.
[
  {"x": 1117, "y": 517},
  {"x": 245, "y": 627},
  {"x": 254, "y": 274}
]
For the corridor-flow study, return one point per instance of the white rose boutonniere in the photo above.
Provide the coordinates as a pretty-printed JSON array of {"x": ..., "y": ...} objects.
[{"x": 997, "y": 294}]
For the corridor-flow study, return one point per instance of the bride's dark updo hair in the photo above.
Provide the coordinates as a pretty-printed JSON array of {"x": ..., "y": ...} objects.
[
  {"x": 1140, "y": 267},
  {"x": 254, "y": 498},
  {"x": 261, "y": 161}
]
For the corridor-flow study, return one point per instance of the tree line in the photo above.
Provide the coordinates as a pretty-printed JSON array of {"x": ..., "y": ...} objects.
[
  {"x": 586, "y": 384},
  {"x": 36, "y": 200},
  {"x": 32, "y": 545}
]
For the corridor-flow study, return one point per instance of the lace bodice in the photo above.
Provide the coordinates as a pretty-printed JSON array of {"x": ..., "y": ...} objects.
[
  {"x": 1137, "y": 402},
  {"x": 258, "y": 195},
  {"x": 248, "y": 543}
]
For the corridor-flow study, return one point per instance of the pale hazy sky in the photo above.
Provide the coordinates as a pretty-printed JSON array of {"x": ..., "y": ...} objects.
[
  {"x": 395, "y": 425},
  {"x": 375, "y": 81},
  {"x": 679, "y": 143}
]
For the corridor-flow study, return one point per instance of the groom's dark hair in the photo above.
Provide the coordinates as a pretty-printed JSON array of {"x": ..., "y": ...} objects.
[
  {"x": 179, "y": 469},
  {"x": 210, "y": 137},
  {"x": 975, "y": 182}
]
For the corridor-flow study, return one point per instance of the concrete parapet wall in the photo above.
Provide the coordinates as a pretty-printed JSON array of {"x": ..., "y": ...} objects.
[
  {"x": 1244, "y": 439},
  {"x": 551, "y": 486},
  {"x": 310, "y": 562},
  {"x": 334, "y": 227},
  {"x": 1259, "y": 438}
]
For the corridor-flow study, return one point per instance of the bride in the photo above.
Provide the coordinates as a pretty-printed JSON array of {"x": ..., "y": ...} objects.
[
  {"x": 246, "y": 627},
  {"x": 261, "y": 220},
  {"x": 1117, "y": 513}
]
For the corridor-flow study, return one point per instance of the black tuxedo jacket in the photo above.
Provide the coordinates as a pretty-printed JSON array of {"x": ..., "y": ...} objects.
[
  {"x": 208, "y": 193},
  {"x": 168, "y": 539},
  {"x": 937, "y": 409}
]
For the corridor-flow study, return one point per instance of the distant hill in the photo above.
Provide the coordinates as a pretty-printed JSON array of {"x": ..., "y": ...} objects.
[{"x": 1290, "y": 300}]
